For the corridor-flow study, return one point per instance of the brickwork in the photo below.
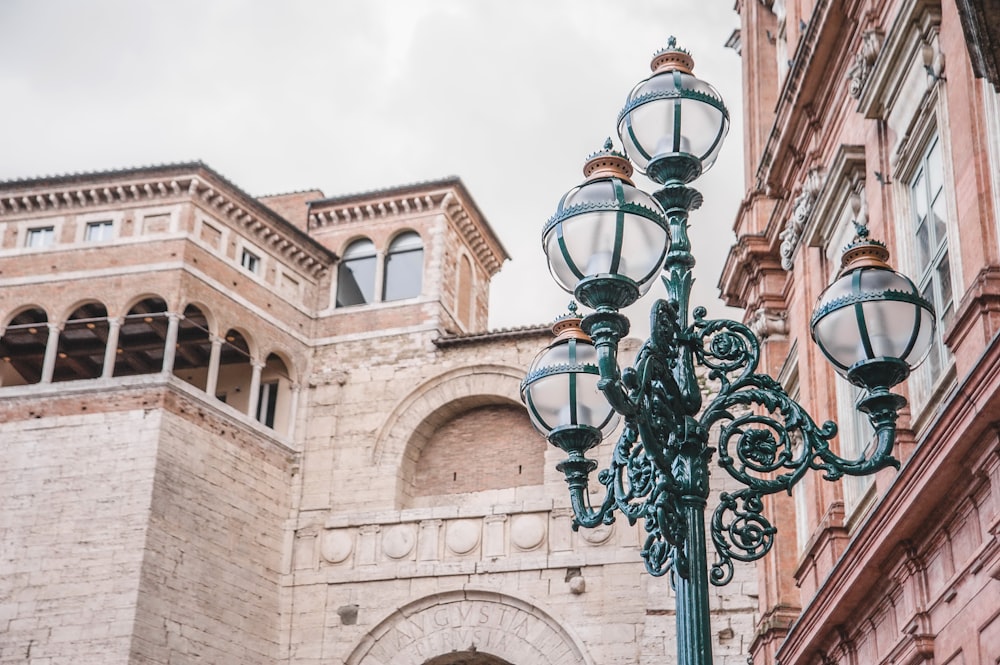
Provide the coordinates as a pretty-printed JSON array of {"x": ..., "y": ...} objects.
[{"x": 485, "y": 448}]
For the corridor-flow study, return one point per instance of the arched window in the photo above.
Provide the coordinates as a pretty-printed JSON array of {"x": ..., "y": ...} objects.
[
  {"x": 82, "y": 344},
  {"x": 22, "y": 348},
  {"x": 142, "y": 338},
  {"x": 356, "y": 274},
  {"x": 404, "y": 268}
]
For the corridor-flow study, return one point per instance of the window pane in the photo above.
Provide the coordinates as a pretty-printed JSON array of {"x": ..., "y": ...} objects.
[
  {"x": 250, "y": 261},
  {"x": 919, "y": 190},
  {"x": 938, "y": 216},
  {"x": 98, "y": 231},
  {"x": 403, "y": 273},
  {"x": 923, "y": 247},
  {"x": 935, "y": 173},
  {"x": 356, "y": 282},
  {"x": 40, "y": 237},
  {"x": 404, "y": 267}
]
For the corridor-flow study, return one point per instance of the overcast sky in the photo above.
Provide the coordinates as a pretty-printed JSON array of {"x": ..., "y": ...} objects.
[{"x": 349, "y": 96}]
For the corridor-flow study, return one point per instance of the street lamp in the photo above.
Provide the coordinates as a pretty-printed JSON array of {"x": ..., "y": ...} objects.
[{"x": 604, "y": 245}]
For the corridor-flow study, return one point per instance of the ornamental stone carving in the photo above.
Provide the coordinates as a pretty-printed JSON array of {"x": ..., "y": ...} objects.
[
  {"x": 864, "y": 61},
  {"x": 336, "y": 545},
  {"x": 802, "y": 209}
]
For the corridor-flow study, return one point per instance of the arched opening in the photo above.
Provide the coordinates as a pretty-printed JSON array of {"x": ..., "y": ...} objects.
[
  {"x": 356, "y": 274},
  {"x": 142, "y": 338},
  {"x": 274, "y": 395},
  {"x": 82, "y": 344},
  {"x": 404, "y": 267},
  {"x": 466, "y": 658},
  {"x": 235, "y": 371},
  {"x": 194, "y": 348},
  {"x": 22, "y": 347},
  {"x": 516, "y": 455}
]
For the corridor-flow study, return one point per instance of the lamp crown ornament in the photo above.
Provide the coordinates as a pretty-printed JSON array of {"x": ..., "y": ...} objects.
[
  {"x": 608, "y": 163},
  {"x": 672, "y": 58}
]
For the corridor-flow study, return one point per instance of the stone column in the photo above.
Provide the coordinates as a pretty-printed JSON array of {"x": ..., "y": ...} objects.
[
  {"x": 111, "y": 350},
  {"x": 254, "y": 397},
  {"x": 212, "y": 382},
  {"x": 170, "y": 344},
  {"x": 51, "y": 348}
]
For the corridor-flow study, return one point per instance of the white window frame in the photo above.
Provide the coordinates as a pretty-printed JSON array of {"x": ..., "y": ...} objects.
[
  {"x": 107, "y": 230},
  {"x": 250, "y": 261},
  {"x": 46, "y": 232},
  {"x": 925, "y": 389}
]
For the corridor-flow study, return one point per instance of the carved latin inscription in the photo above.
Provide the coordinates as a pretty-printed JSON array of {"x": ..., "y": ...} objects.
[{"x": 511, "y": 631}]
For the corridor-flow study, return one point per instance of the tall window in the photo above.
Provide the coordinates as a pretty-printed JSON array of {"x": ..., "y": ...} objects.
[
  {"x": 404, "y": 267},
  {"x": 932, "y": 268},
  {"x": 356, "y": 274},
  {"x": 99, "y": 231},
  {"x": 40, "y": 237}
]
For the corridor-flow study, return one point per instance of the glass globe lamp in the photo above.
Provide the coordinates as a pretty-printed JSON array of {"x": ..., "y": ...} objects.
[
  {"x": 608, "y": 239},
  {"x": 673, "y": 123},
  {"x": 560, "y": 390},
  {"x": 871, "y": 323}
]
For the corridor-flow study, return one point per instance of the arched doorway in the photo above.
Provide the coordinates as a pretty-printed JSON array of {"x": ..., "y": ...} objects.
[
  {"x": 469, "y": 627},
  {"x": 466, "y": 658}
]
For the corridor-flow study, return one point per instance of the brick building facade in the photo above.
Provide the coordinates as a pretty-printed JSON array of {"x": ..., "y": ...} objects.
[
  {"x": 885, "y": 113},
  {"x": 276, "y": 430}
]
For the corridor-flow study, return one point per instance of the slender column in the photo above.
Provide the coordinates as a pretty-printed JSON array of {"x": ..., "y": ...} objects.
[
  {"x": 111, "y": 350},
  {"x": 170, "y": 345},
  {"x": 212, "y": 382},
  {"x": 379, "y": 276},
  {"x": 51, "y": 348},
  {"x": 254, "y": 396},
  {"x": 293, "y": 409}
]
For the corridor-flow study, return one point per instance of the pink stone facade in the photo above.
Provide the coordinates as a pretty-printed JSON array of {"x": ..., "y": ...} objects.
[{"x": 871, "y": 112}]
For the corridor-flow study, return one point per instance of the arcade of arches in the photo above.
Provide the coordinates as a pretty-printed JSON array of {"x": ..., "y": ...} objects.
[{"x": 148, "y": 339}]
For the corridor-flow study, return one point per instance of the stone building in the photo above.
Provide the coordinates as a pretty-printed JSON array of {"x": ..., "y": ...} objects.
[
  {"x": 885, "y": 113},
  {"x": 240, "y": 429}
]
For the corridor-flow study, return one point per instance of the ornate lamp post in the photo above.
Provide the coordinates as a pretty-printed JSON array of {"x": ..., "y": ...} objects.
[{"x": 605, "y": 244}]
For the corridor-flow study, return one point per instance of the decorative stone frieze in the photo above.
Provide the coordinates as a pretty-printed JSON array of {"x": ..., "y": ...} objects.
[
  {"x": 801, "y": 211},
  {"x": 864, "y": 61}
]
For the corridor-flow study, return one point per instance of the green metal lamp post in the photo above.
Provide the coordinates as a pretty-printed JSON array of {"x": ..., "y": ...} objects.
[{"x": 606, "y": 244}]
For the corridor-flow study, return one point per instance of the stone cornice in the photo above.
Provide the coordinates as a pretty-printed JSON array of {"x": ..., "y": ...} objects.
[
  {"x": 447, "y": 196},
  {"x": 751, "y": 255},
  {"x": 932, "y": 472},
  {"x": 164, "y": 185}
]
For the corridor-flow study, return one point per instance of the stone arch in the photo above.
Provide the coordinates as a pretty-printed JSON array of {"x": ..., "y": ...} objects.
[
  {"x": 23, "y": 339},
  {"x": 399, "y": 442},
  {"x": 495, "y": 624}
]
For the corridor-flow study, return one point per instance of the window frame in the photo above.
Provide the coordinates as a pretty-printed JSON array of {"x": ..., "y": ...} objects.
[
  {"x": 388, "y": 275},
  {"x": 107, "y": 227},
  {"x": 344, "y": 265},
  {"x": 250, "y": 261},
  {"x": 31, "y": 232},
  {"x": 924, "y": 389}
]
